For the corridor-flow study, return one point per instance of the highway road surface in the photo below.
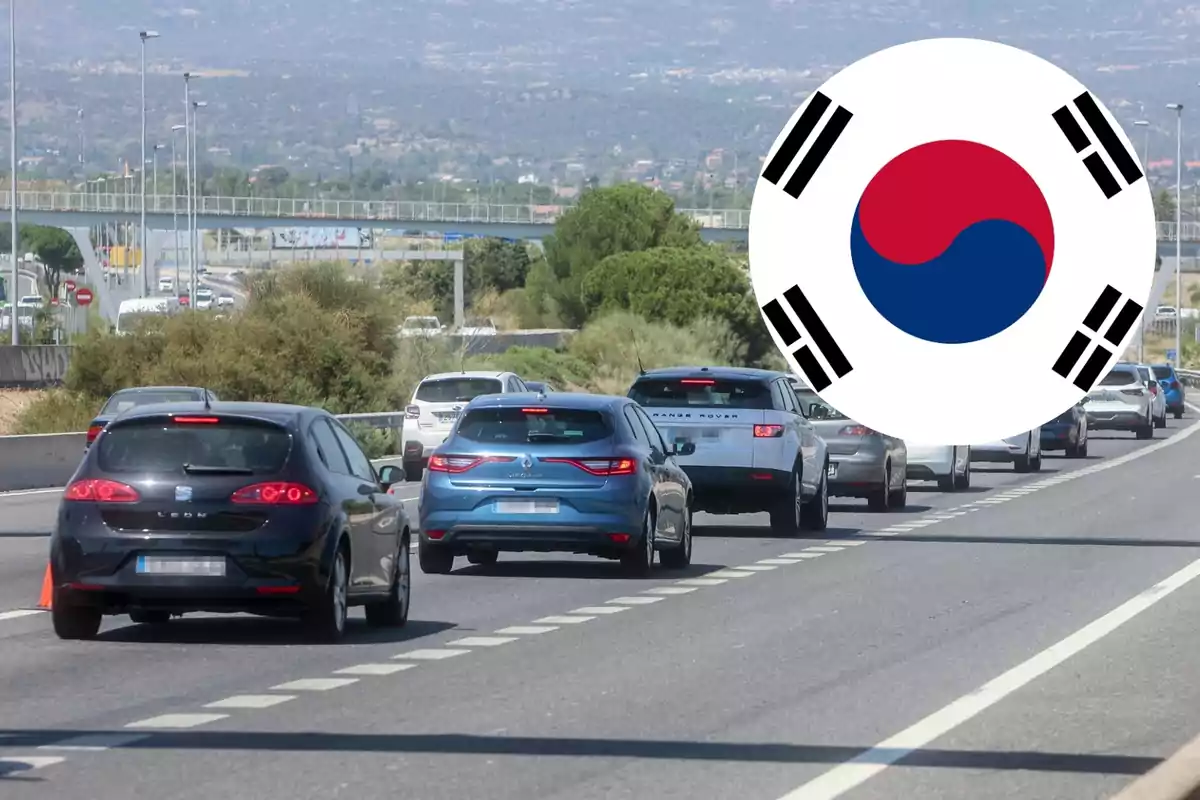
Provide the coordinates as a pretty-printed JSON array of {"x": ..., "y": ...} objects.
[{"x": 1034, "y": 637}]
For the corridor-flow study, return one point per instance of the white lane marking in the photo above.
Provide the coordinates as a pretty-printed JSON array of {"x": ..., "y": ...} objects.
[
  {"x": 561, "y": 620},
  {"x": 635, "y": 601},
  {"x": 11, "y": 764},
  {"x": 823, "y": 549},
  {"x": 802, "y": 555},
  {"x": 373, "y": 669},
  {"x": 780, "y": 562},
  {"x": 484, "y": 641},
  {"x": 314, "y": 684},
  {"x": 849, "y": 542},
  {"x": 431, "y": 655},
  {"x": 96, "y": 741},
  {"x": 888, "y": 532},
  {"x": 21, "y": 612},
  {"x": 758, "y": 567},
  {"x": 26, "y": 492},
  {"x": 600, "y": 610},
  {"x": 702, "y": 581},
  {"x": 251, "y": 701},
  {"x": 851, "y": 774},
  {"x": 528, "y": 630},
  {"x": 177, "y": 721},
  {"x": 670, "y": 590},
  {"x": 730, "y": 573}
]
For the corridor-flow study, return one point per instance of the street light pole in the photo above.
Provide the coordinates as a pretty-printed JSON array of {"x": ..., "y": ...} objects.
[
  {"x": 144, "y": 35},
  {"x": 195, "y": 243},
  {"x": 12, "y": 144},
  {"x": 175, "y": 205},
  {"x": 1145, "y": 125},
  {"x": 1178, "y": 109},
  {"x": 187, "y": 149}
]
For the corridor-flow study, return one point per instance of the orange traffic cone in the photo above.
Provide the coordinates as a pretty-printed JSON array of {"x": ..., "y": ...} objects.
[{"x": 47, "y": 598}]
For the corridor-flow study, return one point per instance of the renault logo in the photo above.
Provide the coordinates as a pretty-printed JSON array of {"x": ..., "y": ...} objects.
[
  {"x": 527, "y": 463},
  {"x": 183, "y": 494}
]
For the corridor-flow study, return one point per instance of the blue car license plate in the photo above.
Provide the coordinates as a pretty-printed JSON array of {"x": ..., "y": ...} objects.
[
  {"x": 527, "y": 506},
  {"x": 200, "y": 566}
]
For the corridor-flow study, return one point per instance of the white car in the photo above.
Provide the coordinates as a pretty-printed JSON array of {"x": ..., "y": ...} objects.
[
  {"x": 436, "y": 405},
  {"x": 1158, "y": 397},
  {"x": 1121, "y": 402},
  {"x": 948, "y": 464},
  {"x": 755, "y": 449},
  {"x": 420, "y": 327},
  {"x": 166, "y": 285},
  {"x": 225, "y": 301},
  {"x": 31, "y": 301},
  {"x": 478, "y": 327},
  {"x": 1023, "y": 451}
]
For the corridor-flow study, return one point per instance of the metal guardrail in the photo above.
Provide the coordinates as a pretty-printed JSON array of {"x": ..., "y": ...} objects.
[
  {"x": 357, "y": 211},
  {"x": 1190, "y": 377},
  {"x": 384, "y": 420}
]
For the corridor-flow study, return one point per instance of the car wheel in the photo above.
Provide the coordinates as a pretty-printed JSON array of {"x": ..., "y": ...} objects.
[
  {"x": 1145, "y": 431},
  {"x": 785, "y": 514},
  {"x": 483, "y": 558},
  {"x": 877, "y": 500},
  {"x": 145, "y": 617},
  {"x": 898, "y": 499},
  {"x": 963, "y": 481},
  {"x": 639, "y": 561},
  {"x": 681, "y": 556},
  {"x": 1179, "y": 414},
  {"x": 434, "y": 559},
  {"x": 814, "y": 515},
  {"x": 1035, "y": 463},
  {"x": 412, "y": 471},
  {"x": 1021, "y": 463},
  {"x": 393, "y": 612},
  {"x": 73, "y": 621},
  {"x": 328, "y": 620}
]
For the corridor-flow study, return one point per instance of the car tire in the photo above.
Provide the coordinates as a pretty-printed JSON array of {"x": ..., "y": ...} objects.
[
  {"x": 814, "y": 515},
  {"x": 788, "y": 508},
  {"x": 1179, "y": 414},
  {"x": 434, "y": 559},
  {"x": 898, "y": 499},
  {"x": 962, "y": 482},
  {"x": 680, "y": 557},
  {"x": 1021, "y": 463},
  {"x": 74, "y": 621},
  {"x": 412, "y": 471},
  {"x": 639, "y": 561},
  {"x": 878, "y": 499},
  {"x": 483, "y": 558},
  {"x": 393, "y": 612},
  {"x": 327, "y": 621},
  {"x": 1145, "y": 431},
  {"x": 147, "y": 617},
  {"x": 1161, "y": 422}
]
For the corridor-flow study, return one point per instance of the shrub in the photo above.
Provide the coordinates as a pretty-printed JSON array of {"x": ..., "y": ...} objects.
[{"x": 57, "y": 411}]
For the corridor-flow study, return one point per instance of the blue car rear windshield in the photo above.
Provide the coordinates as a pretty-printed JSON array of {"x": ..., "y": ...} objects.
[
  {"x": 541, "y": 425},
  {"x": 1162, "y": 373},
  {"x": 157, "y": 447},
  {"x": 700, "y": 393}
]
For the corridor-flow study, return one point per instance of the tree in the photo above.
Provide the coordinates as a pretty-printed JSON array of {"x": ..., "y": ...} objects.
[
  {"x": 498, "y": 264},
  {"x": 1164, "y": 206},
  {"x": 57, "y": 251},
  {"x": 615, "y": 219}
]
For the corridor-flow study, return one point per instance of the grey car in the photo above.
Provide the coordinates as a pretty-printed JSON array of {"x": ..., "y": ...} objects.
[
  {"x": 862, "y": 462},
  {"x": 125, "y": 399}
]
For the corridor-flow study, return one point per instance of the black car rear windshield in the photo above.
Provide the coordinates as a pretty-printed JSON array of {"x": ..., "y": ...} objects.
[
  {"x": 533, "y": 425},
  {"x": 456, "y": 390},
  {"x": 700, "y": 393},
  {"x": 1162, "y": 373},
  {"x": 1119, "y": 377},
  {"x": 157, "y": 446},
  {"x": 123, "y": 401}
]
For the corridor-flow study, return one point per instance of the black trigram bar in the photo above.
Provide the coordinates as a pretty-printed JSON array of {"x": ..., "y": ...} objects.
[
  {"x": 1091, "y": 369},
  {"x": 780, "y": 322},
  {"x": 1077, "y": 346},
  {"x": 1071, "y": 354},
  {"x": 1103, "y": 306},
  {"x": 798, "y": 136},
  {"x": 812, "y": 369},
  {"x": 817, "y": 331},
  {"x": 1093, "y": 117},
  {"x": 1124, "y": 321}
]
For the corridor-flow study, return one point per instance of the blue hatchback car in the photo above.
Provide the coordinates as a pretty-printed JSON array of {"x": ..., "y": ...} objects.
[
  {"x": 1172, "y": 386},
  {"x": 558, "y": 472}
]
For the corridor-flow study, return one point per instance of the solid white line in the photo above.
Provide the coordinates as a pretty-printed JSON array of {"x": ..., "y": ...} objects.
[
  {"x": 314, "y": 684},
  {"x": 11, "y": 764},
  {"x": 177, "y": 721},
  {"x": 373, "y": 669},
  {"x": 847, "y": 776},
  {"x": 600, "y": 610},
  {"x": 252, "y": 701},
  {"x": 702, "y": 581},
  {"x": 562, "y": 620},
  {"x": 528, "y": 630},
  {"x": 431, "y": 655},
  {"x": 26, "y": 492},
  {"x": 96, "y": 741},
  {"x": 484, "y": 641},
  {"x": 21, "y": 612},
  {"x": 670, "y": 590},
  {"x": 634, "y": 601}
]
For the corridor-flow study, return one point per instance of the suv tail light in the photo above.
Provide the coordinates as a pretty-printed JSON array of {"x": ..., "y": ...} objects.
[
  {"x": 768, "y": 431},
  {"x": 412, "y": 412},
  {"x": 459, "y": 464},
  {"x": 1153, "y": 389},
  {"x": 99, "y": 490},
  {"x": 603, "y": 467},
  {"x": 1138, "y": 392},
  {"x": 275, "y": 493},
  {"x": 93, "y": 432},
  {"x": 1174, "y": 384},
  {"x": 855, "y": 430}
]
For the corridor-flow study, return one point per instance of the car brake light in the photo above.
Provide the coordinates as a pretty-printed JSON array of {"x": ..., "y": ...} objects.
[
  {"x": 1154, "y": 389},
  {"x": 412, "y": 412},
  {"x": 275, "y": 493},
  {"x": 604, "y": 467},
  {"x": 535, "y": 411},
  {"x": 278, "y": 590},
  {"x": 435, "y": 534},
  {"x": 1134, "y": 392},
  {"x": 855, "y": 430},
  {"x": 93, "y": 432},
  {"x": 99, "y": 490},
  {"x": 1174, "y": 384},
  {"x": 619, "y": 538},
  {"x": 698, "y": 381},
  {"x": 459, "y": 464},
  {"x": 196, "y": 420},
  {"x": 768, "y": 431}
]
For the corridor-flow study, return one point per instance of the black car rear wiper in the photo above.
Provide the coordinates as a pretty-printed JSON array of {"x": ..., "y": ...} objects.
[
  {"x": 205, "y": 469},
  {"x": 549, "y": 437}
]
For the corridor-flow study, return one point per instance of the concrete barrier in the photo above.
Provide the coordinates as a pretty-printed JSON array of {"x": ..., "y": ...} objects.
[
  {"x": 33, "y": 366},
  {"x": 1177, "y": 778},
  {"x": 39, "y": 462}
]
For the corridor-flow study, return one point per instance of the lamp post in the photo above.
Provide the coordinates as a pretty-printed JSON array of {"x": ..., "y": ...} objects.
[
  {"x": 144, "y": 36},
  {"x": 1178, "y": 109},
  {"x": 1145, "y": 126},
  {"x": 175, "y": 204},
  {"x": 187, "y": 149},
  {"x": 195, "y": 241},
  {"x": 12, "y": 144}
]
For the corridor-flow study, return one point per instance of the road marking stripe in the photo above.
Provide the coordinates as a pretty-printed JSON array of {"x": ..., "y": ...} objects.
[
  {"x": 373, "y": 669},
  {"x": 853, "y": 773},
  {"x": 484, "y": 641},
  {"x": 702, "y": 581},
  {"x": 252, "y": 701},
  {"x": 562, "y": 620},
  {"x": 780, "y": 562},
  {"x": 730, "y": 573},
  {"x": 802, "y": 555},
  {"x": 431, "y": 655},
  {"x": 670, "y": 590},
  {"x": 25, "y": 492},
  {"x": 823, "y": 549},
  {"x": 849, "y": 542},
  {"x": 634, "y": 601},
  {"x": 314, "y": 684},
  {"x": 600, "y": 610},
  {"x": 96, "y": 741},
  {"x": 21, "y": 612},
  {"x": 758, "y": 567},
  {"x": 528, "y": 630},
  {"x": 177, "y": 721},
  {"x": 11, "y": 764}
]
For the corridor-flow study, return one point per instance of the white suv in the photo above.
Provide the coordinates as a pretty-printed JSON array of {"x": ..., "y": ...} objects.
[
  {"x": 1121, "y": 402},
  {"x": 755, "y": 449},
  {"x": 436, "y": 405}
]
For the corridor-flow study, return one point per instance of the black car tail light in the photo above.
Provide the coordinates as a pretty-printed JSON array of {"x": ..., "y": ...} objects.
[
  {"x": 100, "y": 490},
  {"x": 275, "y": 493}
]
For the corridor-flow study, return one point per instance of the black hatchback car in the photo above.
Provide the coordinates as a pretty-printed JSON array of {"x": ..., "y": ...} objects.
[{"x": 229, "y": 507}]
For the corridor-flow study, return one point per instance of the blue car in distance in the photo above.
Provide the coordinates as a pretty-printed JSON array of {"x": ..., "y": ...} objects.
[
  {"x": 1172, "y": 387},
  {"x": 574, "y": 473}
]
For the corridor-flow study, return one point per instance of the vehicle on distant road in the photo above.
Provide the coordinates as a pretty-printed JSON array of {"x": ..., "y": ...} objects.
[
  {"x": 204, "y": 298},
  {"x": 540, "y": 386},
  {"x": 1121, "y": 402},
  {"x": 421, "y": 326},
  {"x": 478, "y": 327},
  {"x": 123, "y": 400},
  {"x": 228, "y": 507},
  {"x": 225, "y": 301},
  {"x": 1172, "y": 386},
  {"x": 754, "y": 449},
  {"x": 131, "y": 312},
  {"x": 1068, "y": 432},
  {"x": 948, "y": 464},
  {"x": 576, "y": 473},
  {"x": 436, "y": 405},
  {"x": 166, "y": 285},
  {"x": 1023, "y": 451},
  {"x": 863, "y": 462},
  {"x": 1158, "y": 396},
  {"x": 1165, "y": 312},
  {"x": 31, "y": 301}
]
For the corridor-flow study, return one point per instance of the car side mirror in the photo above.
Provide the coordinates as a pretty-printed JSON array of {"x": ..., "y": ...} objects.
[
  {"x": 684, "y": 449},
  {"x": 390, "y": 475}
]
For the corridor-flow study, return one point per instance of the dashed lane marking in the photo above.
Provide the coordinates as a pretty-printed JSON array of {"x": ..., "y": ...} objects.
[
  {"x": 177, "y": 721},
  {"x": 96, "y": 742},
  {"x": 252, "y": 701},
  {"x": 702, "y": 581},
  {"x": 562, "y": 620},
  {"x": 431, "y": 655},
  {"x": 527, "y": 630},
  {"x": 483, "y": 641},
  {"x": 639, "y": 601},
  {"x": 802, "y": 555},
  {"x": 669, "y": 590},
  {"x": 21, "y": 612},
  {"x": 373, "y": 669},
  {"x": 12, "y": 764},
  {"x": 756, "y": 568},
  {"x": 824, "y": 549},
  {"x": 779, "y": 562},
  {"x": 730, "y": 573},
  {"x": 600, "y": 610}
]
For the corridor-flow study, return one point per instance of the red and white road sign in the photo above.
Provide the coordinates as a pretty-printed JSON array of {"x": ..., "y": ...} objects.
[
  {"x": 83, "y": 297},
  {"x": 70, "y": 285}
]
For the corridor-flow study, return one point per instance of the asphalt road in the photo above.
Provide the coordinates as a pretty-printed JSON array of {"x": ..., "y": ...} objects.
[{"x": 883, "y": 646}]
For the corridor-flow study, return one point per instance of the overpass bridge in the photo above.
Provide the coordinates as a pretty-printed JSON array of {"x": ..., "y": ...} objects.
[{"x": 88, "y": 209}]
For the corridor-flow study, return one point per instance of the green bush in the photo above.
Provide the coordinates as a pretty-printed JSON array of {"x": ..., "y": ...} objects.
[{"x": 58, "y": 411}]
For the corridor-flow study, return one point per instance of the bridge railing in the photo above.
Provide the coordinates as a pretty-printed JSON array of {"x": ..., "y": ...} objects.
[{"x": 358, "y": 211}]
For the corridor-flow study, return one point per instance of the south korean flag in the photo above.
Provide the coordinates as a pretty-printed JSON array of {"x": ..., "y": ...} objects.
[{"x": 952, "y": 240}]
